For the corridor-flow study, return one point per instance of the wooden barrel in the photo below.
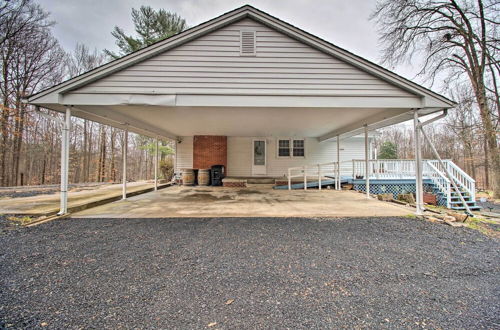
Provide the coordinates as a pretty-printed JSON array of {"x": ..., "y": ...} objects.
[
  {"x": 203, "y": 177},
  {"x": 187, "y": 177}
]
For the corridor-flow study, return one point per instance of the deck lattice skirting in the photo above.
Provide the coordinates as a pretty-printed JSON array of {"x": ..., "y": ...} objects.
[{"x": 398, "y": 187}]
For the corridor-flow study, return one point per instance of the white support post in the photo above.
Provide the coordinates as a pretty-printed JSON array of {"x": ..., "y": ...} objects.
[
  {"x": 65, "y": 162},
  {"x": 175, "y": 163},
  {"x": 377, "y": 164},
  {"x": 156, "y": 164},
  {"x": 418, "y": 167},
  {"x": 338, "y": 164},
  {"x": 319, "y": 176},
  {"x": 124, "y": 164},
  {"x": 367, "y": 164},
  {"x": 289, "y": 179},
  {"x": 305, "y": 177}
]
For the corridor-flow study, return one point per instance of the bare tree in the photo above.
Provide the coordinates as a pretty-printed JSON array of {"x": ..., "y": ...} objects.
[
  {"x": 30, "y": 60},
  {"x": 82, "y": 59},
  {"x": 17, "y": 16},
  {"x": 465, "y": 125},
  {"x": 36, "y": 57},
  {"x": 458, "y": 39}
]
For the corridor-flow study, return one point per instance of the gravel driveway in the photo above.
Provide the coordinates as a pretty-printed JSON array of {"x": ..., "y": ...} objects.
[{"x": 248, "y": 273}]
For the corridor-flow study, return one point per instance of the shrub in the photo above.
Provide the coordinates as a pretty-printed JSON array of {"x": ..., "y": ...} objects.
[{"x": 167, "y": 168}]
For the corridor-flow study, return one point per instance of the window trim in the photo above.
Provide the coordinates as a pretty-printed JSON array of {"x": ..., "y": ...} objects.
[
  {"x": 290, "y": 146},
  {"x": 278, "y": 148},
  {"x": 304, "y": 147}
]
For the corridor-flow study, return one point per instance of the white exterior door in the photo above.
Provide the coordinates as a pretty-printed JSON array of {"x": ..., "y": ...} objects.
[{"x": 259, "y": 162}]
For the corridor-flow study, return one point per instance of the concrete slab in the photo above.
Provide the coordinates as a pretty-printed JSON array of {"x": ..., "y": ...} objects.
[
  {"x": 49, "y": 204},
  {"x": 254, "y": 201}
]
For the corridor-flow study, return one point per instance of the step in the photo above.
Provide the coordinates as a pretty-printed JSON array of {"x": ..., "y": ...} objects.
[
  {"x": 460, "y": 202},
  {"x": 455, "y": 195},
  {"x": 457, "y": 198},
  {"x": 472, "y": 208},
  {"x": 231, "y": 182}
]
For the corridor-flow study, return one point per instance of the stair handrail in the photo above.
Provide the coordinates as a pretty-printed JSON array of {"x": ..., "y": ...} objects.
[
  {"x": 460, "y": 177},
  {"x": 444, "y": 188},
  {"x": 464, "y": 179}
]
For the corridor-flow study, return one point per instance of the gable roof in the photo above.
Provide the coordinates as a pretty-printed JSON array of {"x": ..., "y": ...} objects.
[{"x": 231, "y": 17}]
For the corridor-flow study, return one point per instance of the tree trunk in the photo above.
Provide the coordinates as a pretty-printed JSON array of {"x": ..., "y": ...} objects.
[
  {"x": 103, "y": 154},
  {"x": 99, "y": 162},
  {"x": 18, "y": 140},
  {"x": 490, "y": 134},
  {"x": 4, "y": 122},
  {"x": 112, "y": 173},
  {"x": 486, "y": 164},
  {"x": 43, "y": 167}
]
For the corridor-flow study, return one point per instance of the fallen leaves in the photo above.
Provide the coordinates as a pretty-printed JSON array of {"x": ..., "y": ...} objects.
[
  {"x": 229, "y": 302},
  {"x": 212, "y": 324}
]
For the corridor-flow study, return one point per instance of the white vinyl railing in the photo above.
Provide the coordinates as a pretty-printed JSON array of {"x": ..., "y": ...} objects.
[
  {"x": 390, "y": 169},
  {"x": 462, "y": 179},
  {"x": 384, "y": 169},
  {"x": 316, "y": 170},
  {"x": 439, "y": 179}
]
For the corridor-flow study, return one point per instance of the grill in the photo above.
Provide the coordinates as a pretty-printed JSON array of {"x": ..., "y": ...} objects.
[{"x": 217, "y": 174}]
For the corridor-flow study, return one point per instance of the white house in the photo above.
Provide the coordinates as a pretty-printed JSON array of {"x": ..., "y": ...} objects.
[
  {"x": 264, "y": 156},
  {"x": 248, "y": 91}
]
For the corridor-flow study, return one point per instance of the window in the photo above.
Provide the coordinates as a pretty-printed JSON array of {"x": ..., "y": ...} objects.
[
  {"x": 283, "y": 148},
  {"x": 247, "y": 43},
  {"x": 298, "y": 148},
  {"x": 291, "y": 148}
]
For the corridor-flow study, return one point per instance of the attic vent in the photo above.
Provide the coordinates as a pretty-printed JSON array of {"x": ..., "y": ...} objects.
[{"x": 247, "y": 43}]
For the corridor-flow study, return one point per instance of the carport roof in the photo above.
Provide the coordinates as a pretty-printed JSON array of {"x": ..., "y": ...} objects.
[{"x": 114, "y": 109}]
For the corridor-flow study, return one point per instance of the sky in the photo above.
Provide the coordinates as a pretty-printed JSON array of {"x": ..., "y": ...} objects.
[{"x": 343, "y": 23}]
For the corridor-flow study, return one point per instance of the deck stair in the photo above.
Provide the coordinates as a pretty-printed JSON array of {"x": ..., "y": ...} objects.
[
  {"x": 466, "y": 185},
  {"x": 455, "y": 201}
]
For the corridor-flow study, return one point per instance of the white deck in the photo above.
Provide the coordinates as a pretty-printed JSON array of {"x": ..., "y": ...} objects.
[{"x": 393, "y": 169}]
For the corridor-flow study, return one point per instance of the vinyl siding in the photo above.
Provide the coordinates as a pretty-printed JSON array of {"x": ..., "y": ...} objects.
[
  {"x": 239, "y": 156},
  {"x": 184, "y": 153},
  {"x": 239, "y": 153},
  {"x": 212, "y": 64}
]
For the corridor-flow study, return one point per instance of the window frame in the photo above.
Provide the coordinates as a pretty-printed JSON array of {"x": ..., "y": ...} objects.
[
  {"x": 278, "y": 148},
  {"x": 303, "y": 148},
  {"x": 290, "y": 147}
]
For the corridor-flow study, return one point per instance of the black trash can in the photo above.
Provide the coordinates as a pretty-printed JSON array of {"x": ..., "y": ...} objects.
[{"x": 217, "y": 173}]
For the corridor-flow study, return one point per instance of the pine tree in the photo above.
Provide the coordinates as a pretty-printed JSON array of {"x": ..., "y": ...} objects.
[
  {"x": 151, "y": 26},
  {"x": 388, "y": 150}
]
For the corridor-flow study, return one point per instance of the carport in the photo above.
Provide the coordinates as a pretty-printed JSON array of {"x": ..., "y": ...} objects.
[{"x": 167, "y": 109}]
